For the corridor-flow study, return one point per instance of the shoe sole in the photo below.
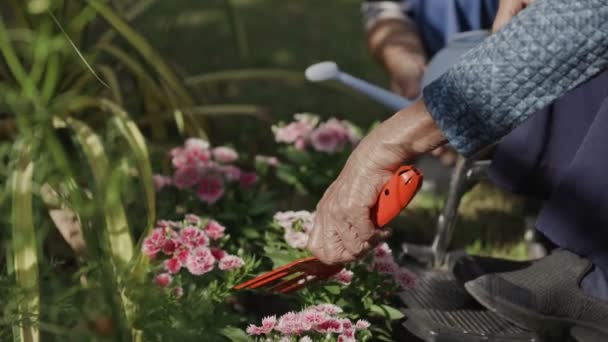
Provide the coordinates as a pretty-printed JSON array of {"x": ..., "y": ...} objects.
[{"x": 528, "y": 319}]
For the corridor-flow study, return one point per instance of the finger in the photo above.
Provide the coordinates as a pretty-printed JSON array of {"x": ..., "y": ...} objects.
[{"x": 351, "y": 241}]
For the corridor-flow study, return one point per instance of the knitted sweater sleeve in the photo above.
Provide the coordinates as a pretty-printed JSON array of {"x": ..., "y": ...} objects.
[{"x": 549, "y": 48}]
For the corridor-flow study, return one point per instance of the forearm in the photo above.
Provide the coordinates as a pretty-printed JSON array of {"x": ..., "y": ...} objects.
[
  {"x": 548, "y": 49},
  {"x": 389, "y": 28},
  {"x": 394, "y": 34}
]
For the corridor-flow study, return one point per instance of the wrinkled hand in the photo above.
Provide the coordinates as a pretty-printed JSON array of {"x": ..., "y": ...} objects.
[
  {"x": 405, "y": 70},
  {"x": 343, "y": 230},
  {"x": 507, "y": 10}
]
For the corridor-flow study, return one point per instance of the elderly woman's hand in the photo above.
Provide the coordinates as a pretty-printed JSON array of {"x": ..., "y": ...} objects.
[
  {"x": 507, "y": 9},
  {"x": 343, "y": 230}
]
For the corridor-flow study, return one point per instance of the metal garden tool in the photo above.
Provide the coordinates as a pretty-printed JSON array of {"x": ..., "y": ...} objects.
[{"x": 395, "y": 195}]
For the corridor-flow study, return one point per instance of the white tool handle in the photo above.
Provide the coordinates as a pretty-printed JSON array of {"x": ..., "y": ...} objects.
[{"x": 329, "y": 71}]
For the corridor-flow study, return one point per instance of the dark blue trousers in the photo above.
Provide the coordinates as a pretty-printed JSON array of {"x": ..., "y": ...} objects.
[{"x": 560, "y": 155}]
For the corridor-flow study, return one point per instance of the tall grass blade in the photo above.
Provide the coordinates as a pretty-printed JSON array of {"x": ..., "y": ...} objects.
[
  {"x": 10, "y": 56},
  {"x": 80, "y": 55},
  {"x": 137, "y": 143},
  {"x": 238, "y": 31},
  {"x": 25, "y": 257},
  {"x": 114, "y": 83},
  {"x": 117, "y": 227},
  {"x": 144, "y": 48},
  {"x": 246, "y": 75},
  {"x": 177, "y": 89}
]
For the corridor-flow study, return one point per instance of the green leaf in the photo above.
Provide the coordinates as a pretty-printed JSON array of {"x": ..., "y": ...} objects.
[
  {"x": 25, "y": 257},
  {"x": 280, "y": 257},
  {"x": 334, "y": 289},
  {"x": 235, "y": 334},
  {"x": 386, "y": 311}
]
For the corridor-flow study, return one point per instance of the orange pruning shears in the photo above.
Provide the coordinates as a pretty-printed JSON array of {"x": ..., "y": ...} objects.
[{"x": 395, "y": 195}]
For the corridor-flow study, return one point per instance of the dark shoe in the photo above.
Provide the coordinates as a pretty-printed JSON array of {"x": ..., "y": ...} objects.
[
  {"x": 464, "y": 326},
  {"x": 444, "y": 290},
  {"x": 471, "y": 267},
  {"x": 587, "y": 335},
  {"x": 439, "y": 308},
  {"x": 544, "y": 297}
]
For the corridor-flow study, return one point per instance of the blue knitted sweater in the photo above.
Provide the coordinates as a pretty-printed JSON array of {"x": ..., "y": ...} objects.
[{"x": 546, "y": 50}]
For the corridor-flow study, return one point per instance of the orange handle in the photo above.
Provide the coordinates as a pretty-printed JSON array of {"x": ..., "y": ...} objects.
[{"x": 396, "y": 195}]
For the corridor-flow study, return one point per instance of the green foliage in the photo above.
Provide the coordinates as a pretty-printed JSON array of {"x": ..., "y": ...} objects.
[{"x": 56, "y": 87}]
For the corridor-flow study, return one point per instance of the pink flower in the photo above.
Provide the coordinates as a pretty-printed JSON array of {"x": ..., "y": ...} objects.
[
  {"x": 362, "y": 324},
  {"x": 344, "y": 276},
  {"x": 231, "y": 172},
  {"x": 193, "y": 219},
  {"x": 332, "y": 325},
  {"x": 387, "y": 266},
  {"x": 182, "y": 255},
  {"x": 170, "y": 246},
  {"x": 296, "y": 239},
  {"x": 163, "y": 279},
  {"x": 210, "y": 188},
  {"x": 296, "y": 132},
  {"x": 346, "y": 338},
  {"x": 193, "y": 154},
  {"x": 291, "y": 323},
  {"x": 225, "y": 154},
  {"x": 305, "y": 339},
  {"x": 200, "y": 261},
  {"x": 301, "y": 221},
  {"x": 193, "y": 237},
  {"x": 254, "y": 330},
  {"x": 186, "y": 177},
  {"x": 382, "y": 250},
  {"x": 406, "y": 279},
  {"x": 329, "y": 309},
  {"x": 168, "y": 224},
  {"x": 230, "y": 262},
  {"x": 173, "y": 265},
  {"x": 268, "y": 323},
  {"x": 329, "y": 137},
  {"x": 161, "y": 181},
  {"x": 248, "y": 179},
  {"x": 218, "y": 253},
  {"x": 154, "y": 242},
  {"x": 268, "y": 160},
  {"x": 214, "y": 230},
  {"x": 314, "y": 316},
  {"x": 348, "y": 330},
  {"x": 197, "y": 143}
]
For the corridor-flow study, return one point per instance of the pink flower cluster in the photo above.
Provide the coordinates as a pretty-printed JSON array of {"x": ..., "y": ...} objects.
[
  {"x": 329, "y": 137},
  {"x": 297, "y": 224},
  {"x": 384, "y": 262},
  {"x": 205, "y": 170},
  {"x": 190, "y": 244},
  {"x": 318, "y": 320}
]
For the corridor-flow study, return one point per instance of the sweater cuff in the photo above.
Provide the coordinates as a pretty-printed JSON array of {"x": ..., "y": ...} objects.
[
  {"x": 375, "y": 11},
  {"x": 463, "y": 129}
]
